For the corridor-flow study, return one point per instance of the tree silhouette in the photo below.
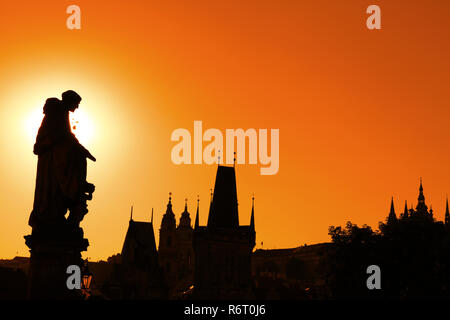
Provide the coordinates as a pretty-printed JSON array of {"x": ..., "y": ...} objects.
[{"x": 413, "y": 253}]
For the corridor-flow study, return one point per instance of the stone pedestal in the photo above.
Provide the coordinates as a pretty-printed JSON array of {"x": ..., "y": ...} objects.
[{"x": 50, "y": 254}]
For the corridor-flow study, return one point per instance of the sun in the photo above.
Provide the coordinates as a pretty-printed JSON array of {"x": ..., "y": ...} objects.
[{"x": 80, "y": 124}]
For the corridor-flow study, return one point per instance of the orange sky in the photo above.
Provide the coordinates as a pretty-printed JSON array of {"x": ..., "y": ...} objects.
[{"x": 362, "y": 114}]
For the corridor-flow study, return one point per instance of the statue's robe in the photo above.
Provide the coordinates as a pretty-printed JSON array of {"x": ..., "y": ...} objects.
[{"x": 61, "y": 169}]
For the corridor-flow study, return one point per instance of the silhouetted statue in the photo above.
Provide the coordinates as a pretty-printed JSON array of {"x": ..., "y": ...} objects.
[
  {"x": 56, "y": 241},
  {"x": 61, "y": 172}
]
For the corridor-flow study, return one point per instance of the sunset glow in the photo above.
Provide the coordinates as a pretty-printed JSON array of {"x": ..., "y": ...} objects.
[{"x": 361, "y": 114}]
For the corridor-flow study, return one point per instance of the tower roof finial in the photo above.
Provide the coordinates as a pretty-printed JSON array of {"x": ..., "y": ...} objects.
[
  {"x": 131, "y": 214},
  {"x": 152, "y": 217},
  {"x": 197, "y": 215}
]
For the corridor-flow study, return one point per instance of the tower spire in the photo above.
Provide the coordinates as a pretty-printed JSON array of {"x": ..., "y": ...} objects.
[
  {"x": 197, "y": 215},
  {"x": 252, "y": 219},
  {"x": 152, "y": 217},
  {"x": 421, "y": 206},
  {"x": 392, "y": 218},
  {"x": 169, "y": 204},
  {"x": 405, "y": 211},
  {"x": 131, "y": 214},
  {"x": 447, "y": 213},
  {"x": 421, "y": 195}
]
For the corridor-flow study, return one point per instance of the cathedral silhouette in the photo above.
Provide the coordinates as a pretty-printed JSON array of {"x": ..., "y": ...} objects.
[{"x": 421, "y": 211}]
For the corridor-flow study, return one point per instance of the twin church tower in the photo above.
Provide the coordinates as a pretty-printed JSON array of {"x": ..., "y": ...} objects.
[{"x": 204, "y": 262}]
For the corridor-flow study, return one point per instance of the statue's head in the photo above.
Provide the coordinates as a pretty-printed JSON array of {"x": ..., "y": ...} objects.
[{"x": 71, "y": 100}]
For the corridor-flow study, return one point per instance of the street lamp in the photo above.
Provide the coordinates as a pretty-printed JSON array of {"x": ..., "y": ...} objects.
[{"x": 86, "y": 280}]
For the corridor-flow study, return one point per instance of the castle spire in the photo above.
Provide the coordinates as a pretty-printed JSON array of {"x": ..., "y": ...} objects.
[
  {"x": 392, "y": 217},
  {"x": 405, "y": 211},
  {"x": 421, "y": 195},
  {"x": 169, "y": 204},
  {"x": 252, "y": 219},
  {"x": 421, "y": 206},
  {"x": 168, "y": 219},
  {"x": 197, "y": 215},
  {"x": 447, "y": 213}
]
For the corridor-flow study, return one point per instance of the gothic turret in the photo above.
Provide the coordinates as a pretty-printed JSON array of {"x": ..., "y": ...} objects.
[
  {"x": 168, "y": 245},
  {"x": 392, "y": 218},
  {"x": 185, "y": 220},
  {"x": 421, "y": 206},
  {"x": 168, "y": 220},
  {"x": 405, "y": 211}
]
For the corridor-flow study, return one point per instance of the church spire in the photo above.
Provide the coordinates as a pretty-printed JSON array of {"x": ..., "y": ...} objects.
[
  {"x": 420, "y": 188},
  {"x": 421, "y": 195},
  {"x": 447, "y": 213},
  {"x": 168, "y": 220},
  {"x": 421, "y": 207},
  {"x": 392, "y": 218},
  {"x": 169, "y": 204},
  {"x": 405, "y": 211},
  {"x": 252, "y": 219},
  {"x": 197, "y": 215}
]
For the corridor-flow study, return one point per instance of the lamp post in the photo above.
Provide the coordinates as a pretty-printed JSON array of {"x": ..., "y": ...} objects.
[{"x": 86, "y": 280}]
